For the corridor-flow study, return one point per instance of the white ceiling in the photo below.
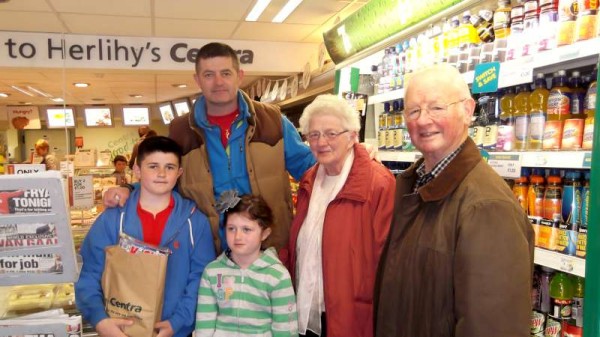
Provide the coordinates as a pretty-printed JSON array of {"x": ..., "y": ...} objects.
[{"x": 201, "y": 19}]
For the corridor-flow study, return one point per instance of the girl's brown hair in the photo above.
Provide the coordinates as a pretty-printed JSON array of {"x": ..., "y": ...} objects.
[{"x": 255, "y": 208}]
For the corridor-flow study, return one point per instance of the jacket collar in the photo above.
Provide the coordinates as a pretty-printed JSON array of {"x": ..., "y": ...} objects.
[
  {"x": 450, "y": 178},
  {"x": 201, "y": 120},
  {"x": 358, "y": 180},
  {"x": 182, "y": 210}
]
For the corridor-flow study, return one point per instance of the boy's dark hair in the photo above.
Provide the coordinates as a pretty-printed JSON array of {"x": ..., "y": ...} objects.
[
  {"x": 119, "y": 158},
  {"x": 255, "y": 208},
  {"x": 158, "y": 144},
  {"x": 216, "y": 49}
]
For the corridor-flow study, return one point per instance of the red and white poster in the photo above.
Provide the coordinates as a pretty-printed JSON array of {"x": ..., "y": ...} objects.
[{"x": 24, "y": 117}]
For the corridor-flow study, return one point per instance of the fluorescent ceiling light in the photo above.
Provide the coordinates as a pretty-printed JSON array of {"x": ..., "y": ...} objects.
[
  {"x": 58, "y": 100},
  {"x": 81, "y": 85},
  {"x": 4, "y": 95},
  {"x": 289, "y": 7},
  {"x": 257, "y": 10},
  {"x": 39, "y": 92},
  {"x": 23, "y": 91}
]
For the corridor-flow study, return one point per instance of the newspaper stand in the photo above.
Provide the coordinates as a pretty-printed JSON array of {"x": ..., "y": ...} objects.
[{"x": 38, "y": 245}]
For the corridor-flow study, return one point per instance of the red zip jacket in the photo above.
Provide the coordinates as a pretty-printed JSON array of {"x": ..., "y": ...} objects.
[{"x": 356, "y": 226}]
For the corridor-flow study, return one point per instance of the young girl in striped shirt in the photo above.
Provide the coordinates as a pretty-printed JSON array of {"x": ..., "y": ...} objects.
[{"x": 246, "y": 291}]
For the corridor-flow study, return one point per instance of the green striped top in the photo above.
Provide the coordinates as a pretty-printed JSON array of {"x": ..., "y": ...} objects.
[{"x": 257, "y": 301}]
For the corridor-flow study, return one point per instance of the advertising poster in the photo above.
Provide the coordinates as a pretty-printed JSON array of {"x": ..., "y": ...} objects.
[
  {"x": 24, "y": 117},
  {"x": 25, "y": 201},
  {"x": 15, "y": 236}
]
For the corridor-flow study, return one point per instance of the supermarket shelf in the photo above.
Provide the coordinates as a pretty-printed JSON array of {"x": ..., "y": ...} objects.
[
  {"x": 569, "y": 264},
  {"x": 400, "y": 156},
  {"x": 543, "y": 159},
  {"x": 521, "y": 70},
  {"x": 576, "y": 55},
  {"x": 386, "y": 96},
  {"x": 557, "y": 159}
]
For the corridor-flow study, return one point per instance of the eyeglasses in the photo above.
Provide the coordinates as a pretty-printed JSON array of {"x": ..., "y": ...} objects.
[
  {"x": 328, "y": 135},
  {"x": 434, "y": 111}
]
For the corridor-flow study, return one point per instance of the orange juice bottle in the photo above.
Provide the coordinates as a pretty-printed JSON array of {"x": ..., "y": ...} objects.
[
  {"x": 535, "y": 193},
  {"x": 539, "y": 105},
  {"x": 567, "y": 14},
  {"x": 521, "y": 187},
  {"x": 521, "y": 117},
  {"x": 553, "y": 195},
  {"x": 559, "y": 100},
  {"x": 586, "y": 23}
]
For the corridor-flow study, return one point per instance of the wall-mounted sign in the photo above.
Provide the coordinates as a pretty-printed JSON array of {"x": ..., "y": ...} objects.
[
  {"x": 24, "y": 117},
  {"x": 376, "y": 21},
  {"x": 43, "y": 50}
]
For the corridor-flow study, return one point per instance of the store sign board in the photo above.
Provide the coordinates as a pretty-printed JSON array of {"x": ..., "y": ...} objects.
[
  {"x": 486, "y": 77},
  {"x": 25, "y": 168},
  {"x": 42, "y": 50},
  {"x": 376, "y": 21}
]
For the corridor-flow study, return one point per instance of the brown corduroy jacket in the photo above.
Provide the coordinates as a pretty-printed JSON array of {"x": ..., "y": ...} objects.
[{"x": 459, "y": 257}]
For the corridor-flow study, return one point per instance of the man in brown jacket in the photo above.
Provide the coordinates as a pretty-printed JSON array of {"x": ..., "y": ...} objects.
[
  {"x": 459, "y": 256},
  {"x": 233, "y": 143}
]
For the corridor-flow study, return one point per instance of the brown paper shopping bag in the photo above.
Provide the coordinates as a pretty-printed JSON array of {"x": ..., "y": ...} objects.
[{"x": 133, "y": 287}]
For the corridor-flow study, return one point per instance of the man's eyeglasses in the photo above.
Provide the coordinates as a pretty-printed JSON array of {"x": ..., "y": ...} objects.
[
  {"x": 434, "y": 110},
  {"x": 328, "y": 135}
]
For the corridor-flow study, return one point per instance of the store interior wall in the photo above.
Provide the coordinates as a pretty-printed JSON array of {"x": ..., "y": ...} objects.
[{"x": 118, "y": 139}]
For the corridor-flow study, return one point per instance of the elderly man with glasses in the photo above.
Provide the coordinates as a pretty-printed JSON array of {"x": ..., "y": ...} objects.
[{"x": 458, "y": 260}]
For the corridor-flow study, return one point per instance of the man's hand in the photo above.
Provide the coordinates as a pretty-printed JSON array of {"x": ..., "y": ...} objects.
[
  {"x": 115, "y": 196},
  {"x": 112, "y": 327},
  {"x": 164, "y": 329}
]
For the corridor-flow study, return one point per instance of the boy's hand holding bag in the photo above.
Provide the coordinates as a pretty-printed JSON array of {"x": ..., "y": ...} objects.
[{"x": 133, "y": 284}]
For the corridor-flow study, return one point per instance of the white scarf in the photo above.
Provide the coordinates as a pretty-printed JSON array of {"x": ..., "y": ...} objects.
[{"x": 309, "y": 267}]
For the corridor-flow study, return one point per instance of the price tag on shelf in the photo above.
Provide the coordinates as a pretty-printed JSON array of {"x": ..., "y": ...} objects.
[
  {"x": 506, "y": 165},
  {"x": 517, "y": 74},
  {"x": 587, "y": 160},
  {"x": 566, "y": 54},
  {"x": 566, "y": 265}
]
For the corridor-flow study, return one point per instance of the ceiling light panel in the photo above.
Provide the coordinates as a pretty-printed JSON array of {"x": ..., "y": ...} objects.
[
  {"x": 287, "y": 9},
  {"x": 257, "y": 10}
]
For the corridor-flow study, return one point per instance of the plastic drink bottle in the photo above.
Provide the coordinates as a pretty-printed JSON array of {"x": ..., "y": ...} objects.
[{"x": 539, "y": 105}]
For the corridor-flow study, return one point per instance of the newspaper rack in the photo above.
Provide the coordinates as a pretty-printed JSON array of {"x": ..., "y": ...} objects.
[{"x": 36, "y": 244}]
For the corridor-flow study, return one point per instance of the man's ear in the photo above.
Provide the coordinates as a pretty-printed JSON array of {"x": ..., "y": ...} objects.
[{"x": 469, "y": 109}]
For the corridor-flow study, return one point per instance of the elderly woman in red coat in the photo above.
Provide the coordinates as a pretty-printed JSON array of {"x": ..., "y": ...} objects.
[{"x": 343, "y": 216}]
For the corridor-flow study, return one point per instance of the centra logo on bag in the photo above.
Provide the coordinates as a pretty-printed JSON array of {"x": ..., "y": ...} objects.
[{"x": 127, "y": 306}]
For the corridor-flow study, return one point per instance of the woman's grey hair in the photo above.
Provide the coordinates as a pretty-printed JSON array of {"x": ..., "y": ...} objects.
[{"x": 333, "y": 106}]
